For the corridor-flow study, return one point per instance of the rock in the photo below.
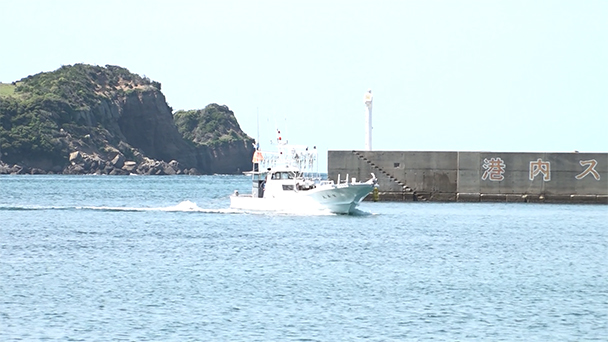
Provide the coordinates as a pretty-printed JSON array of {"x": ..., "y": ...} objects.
[
  {"x": 146, "y": 122},
  {"x": 118, "y": 161},
  {"x": 192, "y": 171},
  {"x": 75, "y": 157},
  {"x": 75, "y": 169},
  {"x": 108, "y": 168},
  {"x": 145, "y": 166},
  {"x": 4, "y": 168},
  {"x": 94, "y": 166},
  {"x": 169, "y": 170},
  {"x": 118, "y": 172},
  {"x": 172, "y": 168},
  {"x": 130, "y": 166},
  {"x": 86, "y": 165},
  {"x": 226, "y": 158},
  {"x": 16, "y": 170}
]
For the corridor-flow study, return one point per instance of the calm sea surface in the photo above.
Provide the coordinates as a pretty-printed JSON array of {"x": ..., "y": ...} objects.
[{"x": 111, "y": 258}]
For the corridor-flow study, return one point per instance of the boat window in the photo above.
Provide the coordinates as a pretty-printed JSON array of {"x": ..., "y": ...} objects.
[
  {"x": 288, "y": 187},
  {"x": 282, "y": 175}
]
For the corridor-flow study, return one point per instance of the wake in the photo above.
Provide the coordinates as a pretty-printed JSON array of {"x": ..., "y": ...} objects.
[{"x": 184, "y": 206}]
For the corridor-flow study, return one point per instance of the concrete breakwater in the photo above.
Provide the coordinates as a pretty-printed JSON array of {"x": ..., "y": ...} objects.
[{"x": 478, "y": 176}]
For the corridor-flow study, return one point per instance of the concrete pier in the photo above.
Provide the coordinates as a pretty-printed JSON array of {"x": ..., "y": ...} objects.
[{"x": 545, "y": 177}]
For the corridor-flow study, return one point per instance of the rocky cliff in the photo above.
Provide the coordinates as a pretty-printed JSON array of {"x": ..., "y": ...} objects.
[
  {"x": 219, "y": 142},
  {"x": 84, "y": 119}
]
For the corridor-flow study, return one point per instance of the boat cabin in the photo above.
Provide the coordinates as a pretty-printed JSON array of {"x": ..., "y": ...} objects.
[{"x": 278, "y": 182}]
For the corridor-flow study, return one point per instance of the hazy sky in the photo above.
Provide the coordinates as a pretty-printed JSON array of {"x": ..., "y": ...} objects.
[{"x": 446, "y": 75}]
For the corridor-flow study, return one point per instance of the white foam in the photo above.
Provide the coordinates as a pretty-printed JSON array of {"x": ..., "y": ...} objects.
[
  {"x": 187, "y": 206},
  {"x": 183, "y": 206}
]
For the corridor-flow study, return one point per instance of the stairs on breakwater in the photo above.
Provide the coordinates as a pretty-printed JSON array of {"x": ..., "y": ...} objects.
[{"x": 417, "y": 196}]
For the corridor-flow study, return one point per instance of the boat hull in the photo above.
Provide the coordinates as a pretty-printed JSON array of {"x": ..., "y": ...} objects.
[{"x": 339, "y": 199}]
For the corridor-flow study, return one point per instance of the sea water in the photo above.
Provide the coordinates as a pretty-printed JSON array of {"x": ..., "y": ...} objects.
[{"x": 163, "y": 258}]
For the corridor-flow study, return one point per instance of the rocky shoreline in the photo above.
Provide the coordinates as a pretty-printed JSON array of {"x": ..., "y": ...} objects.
[{"x": 85, "y": 164}]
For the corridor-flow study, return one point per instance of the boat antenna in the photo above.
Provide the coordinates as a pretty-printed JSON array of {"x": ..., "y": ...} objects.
[{"x": 317, "y": 162}]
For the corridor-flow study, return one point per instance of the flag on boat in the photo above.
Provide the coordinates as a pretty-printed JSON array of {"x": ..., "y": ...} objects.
[{"x": 257, "y": 156}]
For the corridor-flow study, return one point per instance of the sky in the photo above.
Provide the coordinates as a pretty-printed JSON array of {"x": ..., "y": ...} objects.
[{"x": 503, "y": 76}]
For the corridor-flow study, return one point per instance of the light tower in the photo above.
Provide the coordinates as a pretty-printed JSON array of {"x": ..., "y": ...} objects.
[{"x": 368, "y": 99}]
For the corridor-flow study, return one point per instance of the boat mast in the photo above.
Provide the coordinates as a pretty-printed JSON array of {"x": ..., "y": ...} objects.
[
  {"x": 368, "y": 99},
  {"x": 257, "y": 154}
]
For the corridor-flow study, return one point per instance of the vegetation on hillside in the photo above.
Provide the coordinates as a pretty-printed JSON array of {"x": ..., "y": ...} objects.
[
  {"x": 45, "y": 117},
  {"x": 209, "y": 126},
  {"x": 36, "y": 109},
  {"x": 81, "y": 85},
  {"x": 7, "y": 89},
  {"x": 27, "y": 128}
]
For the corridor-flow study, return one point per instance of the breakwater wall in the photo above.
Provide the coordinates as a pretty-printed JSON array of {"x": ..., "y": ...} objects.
[{"x": 478, "y": 176}]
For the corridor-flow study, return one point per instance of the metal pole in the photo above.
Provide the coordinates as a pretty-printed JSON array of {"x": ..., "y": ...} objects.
[{"x": 368, "y": 100}]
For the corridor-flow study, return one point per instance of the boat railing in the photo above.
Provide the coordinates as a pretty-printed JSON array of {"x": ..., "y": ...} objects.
[
  {"x": 296, "y": 156},
  {"x": 326, "y": 182}
]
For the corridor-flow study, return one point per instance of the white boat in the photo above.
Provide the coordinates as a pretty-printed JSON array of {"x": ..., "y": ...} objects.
[{"x": 285, "y": 181}]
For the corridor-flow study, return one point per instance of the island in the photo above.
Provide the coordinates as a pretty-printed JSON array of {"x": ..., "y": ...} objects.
[{"x": 86, "y": 119}]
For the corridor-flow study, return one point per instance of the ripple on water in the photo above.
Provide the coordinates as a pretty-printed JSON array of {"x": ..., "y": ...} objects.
[{"x": 176, "y": 264}]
